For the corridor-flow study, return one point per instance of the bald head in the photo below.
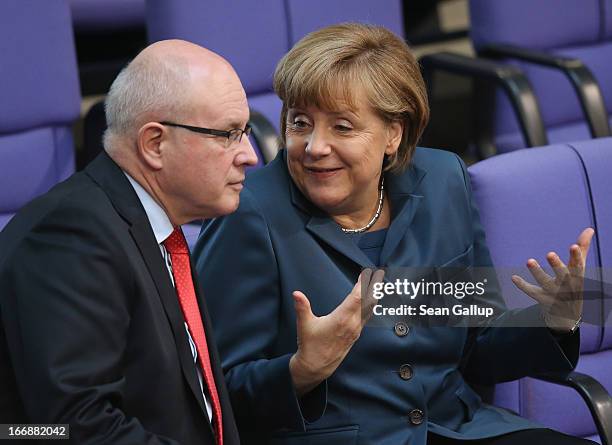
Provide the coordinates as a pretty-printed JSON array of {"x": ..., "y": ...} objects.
[
  {"x": 196, "y": 54},
  {"x": 156, "y": 86}
]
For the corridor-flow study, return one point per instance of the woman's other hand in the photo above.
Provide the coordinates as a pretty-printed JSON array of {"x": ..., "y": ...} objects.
[
  {"x": 560, "y": 296},
  {"x": 324, "y": 341}
]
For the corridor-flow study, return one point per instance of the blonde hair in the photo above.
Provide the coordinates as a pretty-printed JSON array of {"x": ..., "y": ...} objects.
[{"x": 337, "y": 58}]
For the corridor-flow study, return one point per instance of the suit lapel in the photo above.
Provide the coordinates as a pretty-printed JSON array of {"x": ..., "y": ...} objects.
[
  {"x": 325, "y": 229},
  {"x": 405, "y": 201},
  {"x": 400, "y": 225},
  {"x": 109, "y": 176}
]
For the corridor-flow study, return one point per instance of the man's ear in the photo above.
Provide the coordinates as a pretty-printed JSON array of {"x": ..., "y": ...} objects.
[
  {"x": 395, "y": 130},
  {"x": 150, "y": 138}
]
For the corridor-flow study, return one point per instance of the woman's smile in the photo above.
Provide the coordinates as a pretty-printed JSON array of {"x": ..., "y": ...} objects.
[{"x": 321, "y": 173}]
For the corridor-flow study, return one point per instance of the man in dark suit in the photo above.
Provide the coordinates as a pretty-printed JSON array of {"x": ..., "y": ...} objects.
[{"x": 103, "y": 326}]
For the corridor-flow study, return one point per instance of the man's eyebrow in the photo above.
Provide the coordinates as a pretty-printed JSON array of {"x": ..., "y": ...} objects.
[{"x": 231, "y": 124}]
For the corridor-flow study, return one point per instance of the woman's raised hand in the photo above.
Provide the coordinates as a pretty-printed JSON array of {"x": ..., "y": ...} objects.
[
  {"x": 560, "y": 296},
  {"x": 324, "y": 341}
]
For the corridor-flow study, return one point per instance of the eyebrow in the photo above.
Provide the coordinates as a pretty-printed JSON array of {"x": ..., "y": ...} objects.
[
  {"x": 334, "y": 113},
  {"x": 351, "y": 112},
  {"x": 232, "y": 124}
]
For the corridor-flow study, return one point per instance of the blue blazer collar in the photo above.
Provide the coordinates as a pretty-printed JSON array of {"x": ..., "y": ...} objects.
[{"x": 404, "y": 197}]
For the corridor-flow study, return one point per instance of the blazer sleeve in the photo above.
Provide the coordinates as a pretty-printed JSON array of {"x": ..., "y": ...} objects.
[
  {"x": 238, "y": 270},
  {"x": 504, "y": 352},
  {"x": 66, "y": 316}
]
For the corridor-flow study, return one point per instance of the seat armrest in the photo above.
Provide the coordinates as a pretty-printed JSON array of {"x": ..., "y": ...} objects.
[
  {"x": 509, "y": 78},
  {"x": 594, "y": 395},
  {"x": 580, "y": 77},
  {"x": 265, "y": 135}
]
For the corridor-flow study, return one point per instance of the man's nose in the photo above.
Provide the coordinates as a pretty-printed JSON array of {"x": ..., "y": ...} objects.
[{"x": 247, "y": 154}]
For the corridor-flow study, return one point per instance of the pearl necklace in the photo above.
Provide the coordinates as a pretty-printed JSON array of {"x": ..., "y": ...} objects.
[{"x": 381, "y": 198}]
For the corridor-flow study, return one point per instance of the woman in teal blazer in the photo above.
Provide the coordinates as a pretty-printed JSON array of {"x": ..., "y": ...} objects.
[{"x": 351, "y": 192}]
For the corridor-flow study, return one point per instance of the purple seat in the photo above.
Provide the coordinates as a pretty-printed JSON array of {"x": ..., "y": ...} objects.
[
  {"x": 579, "y": 29},
  {"x": 305, "y": 17},
  {"x": 598, "y": 164},
  {"x": 533, "y": 201},
  {"x": 107, "y": 15},
  {"x": 39, "y": 88}
]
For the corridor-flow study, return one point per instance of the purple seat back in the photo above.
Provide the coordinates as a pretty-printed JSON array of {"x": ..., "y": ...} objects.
[
  {"x": 574, "y": 28},
  {"x": 595, "y": 155},
  {"x": 533, "y": 201},
  {"x": 39, "y": 88},
  {"x": 305, "y": 17},
  {"x": 607, "y": 19},
  {"x": 107, "y": 15}
]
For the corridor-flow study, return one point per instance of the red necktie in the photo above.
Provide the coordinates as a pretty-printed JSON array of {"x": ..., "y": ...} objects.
[{"x": 176, "y": 245}]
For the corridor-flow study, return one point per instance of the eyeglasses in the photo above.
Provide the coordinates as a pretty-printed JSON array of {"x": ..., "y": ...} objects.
[{"x": 232, "y": 136}]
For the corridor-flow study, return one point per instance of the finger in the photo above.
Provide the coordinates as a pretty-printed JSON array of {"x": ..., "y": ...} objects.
[
  {"x": 558, "y": 266},
  {"x": 364, "y": 279},
  {"x": 584, "y": 241},
  {"x": 577, "y": 262},
  {"x": 368, "y": 301},
  {"x": 542, "y": 278},
  {"x": 362, "y": 287},
  {"x": 530, "y": 289},
  {"x": 303, "y": 310},
  {"x": 352, "y": 302},
  {"x": 377, "y": 277}
]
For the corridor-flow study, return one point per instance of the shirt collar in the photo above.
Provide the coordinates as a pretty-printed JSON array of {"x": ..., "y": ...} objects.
[{"x": 160, "y": 223}]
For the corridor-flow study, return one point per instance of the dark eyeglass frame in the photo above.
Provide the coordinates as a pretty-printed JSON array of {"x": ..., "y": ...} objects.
[{"x": 233, "y": 135}]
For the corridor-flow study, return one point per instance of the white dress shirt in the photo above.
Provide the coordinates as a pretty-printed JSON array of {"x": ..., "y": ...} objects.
[{"x": 162, "y": 228}]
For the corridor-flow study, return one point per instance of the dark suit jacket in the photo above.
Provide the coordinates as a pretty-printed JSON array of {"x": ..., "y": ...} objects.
[
  {"x": 278, "y": 242},
  {"x": 92, "y": 332}
]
